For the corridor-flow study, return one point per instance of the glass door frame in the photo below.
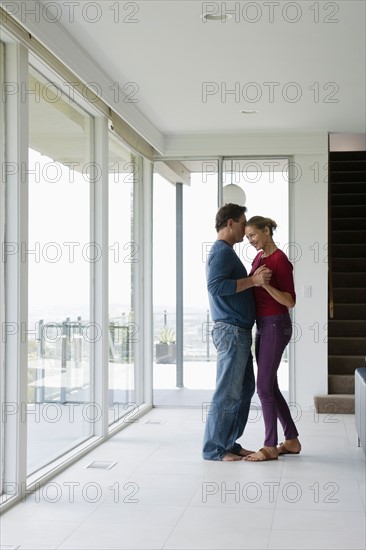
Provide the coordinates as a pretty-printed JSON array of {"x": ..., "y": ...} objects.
[{"x": 2, "y": 268}]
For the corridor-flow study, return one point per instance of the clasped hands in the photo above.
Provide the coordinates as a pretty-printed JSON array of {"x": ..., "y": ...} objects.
[{"x": 261, "y": 276}]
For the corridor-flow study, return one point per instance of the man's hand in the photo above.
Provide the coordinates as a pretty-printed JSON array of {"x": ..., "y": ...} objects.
[{"x": 261, "y": 276}]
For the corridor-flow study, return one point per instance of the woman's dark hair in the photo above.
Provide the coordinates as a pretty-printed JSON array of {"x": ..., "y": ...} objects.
[
  {"x": 228, "y": 212},
  {"x": 261, "y": 223}
]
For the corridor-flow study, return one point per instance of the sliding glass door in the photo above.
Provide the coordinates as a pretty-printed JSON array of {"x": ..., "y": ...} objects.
[
  {"x": 60, "y": 255},
  {"x": 184, "y": 230},
  {"x": 184, "y": 220}
]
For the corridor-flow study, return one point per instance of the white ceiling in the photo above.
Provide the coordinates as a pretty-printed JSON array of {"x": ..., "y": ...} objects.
[{"x": 168, "y": 54}]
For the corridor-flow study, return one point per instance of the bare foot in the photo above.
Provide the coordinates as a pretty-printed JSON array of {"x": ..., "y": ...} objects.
[
  {"x": 230, "y": 457},
  {"x": 266, "y": 453},
  {"x": 244, "y": 452},
  {"x": 289, "y": 447}
]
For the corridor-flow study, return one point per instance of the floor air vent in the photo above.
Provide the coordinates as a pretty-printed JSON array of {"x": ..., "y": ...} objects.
[
  {"x": 101, "y": 465},
  {"x": 155, "y": 422}
]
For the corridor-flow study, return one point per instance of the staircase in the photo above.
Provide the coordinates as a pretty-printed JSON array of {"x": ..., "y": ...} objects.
[{"x": 347, "y": 278}]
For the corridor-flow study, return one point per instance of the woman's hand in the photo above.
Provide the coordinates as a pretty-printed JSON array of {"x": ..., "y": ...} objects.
[{"x": 261, "y": 276}]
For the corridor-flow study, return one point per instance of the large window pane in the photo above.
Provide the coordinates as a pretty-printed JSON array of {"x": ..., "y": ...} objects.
[
  {"x": 60, "y": 255},
  {"x": 164, "y": 279},
  {"x": 123, "y": 255},
  {"x": 198, "y": 220},
  {"x": 200, "y": 207}
]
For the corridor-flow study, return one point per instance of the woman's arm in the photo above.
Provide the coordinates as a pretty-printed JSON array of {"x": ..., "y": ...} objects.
[{"x": 283, "y": 298}]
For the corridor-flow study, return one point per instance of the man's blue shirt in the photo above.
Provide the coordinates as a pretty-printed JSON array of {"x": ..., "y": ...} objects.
[{"x": 223, "y": 268}]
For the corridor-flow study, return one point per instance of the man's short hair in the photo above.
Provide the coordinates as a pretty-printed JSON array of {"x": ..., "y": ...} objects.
[{"x": 228, "y": 212}]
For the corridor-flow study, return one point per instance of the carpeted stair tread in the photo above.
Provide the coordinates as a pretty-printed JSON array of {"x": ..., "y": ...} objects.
[
  {"x": 335, "y": 404},
  {"x": 349, "y": 311},
  {"x": 349, "y": 236},
  {"x": 349, "y": 198},
  {"x": 339, "y": 211},
  {"x": 345, "y": 364},
  {"x": 349, "y": 280},
  {"x": 343, "y": 295},
  {"x": 353, "y": 250},
  {"x": 349, "y": 264},
  {"x": 347, "y": 156},
  {"x": 341, "y": 384},
  {"x": 344, "y": 176},
  {"x": 339, "y": 188},
  {"x": 356, "y": 222},
  {"x": 346, "y": 345},
  {"x": 346, "y": 327}
]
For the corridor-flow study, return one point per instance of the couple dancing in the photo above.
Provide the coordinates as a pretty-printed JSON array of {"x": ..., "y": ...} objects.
[{"x": 236, "y": 301}]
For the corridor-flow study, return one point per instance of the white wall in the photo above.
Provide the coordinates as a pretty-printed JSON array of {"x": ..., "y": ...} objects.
[{"x": 309, "y": 228}]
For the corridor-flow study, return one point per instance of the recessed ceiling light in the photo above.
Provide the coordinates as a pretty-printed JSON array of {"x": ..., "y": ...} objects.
[
  {"x": 218, "y": 17},
  {"x": 249, "y": 111}
]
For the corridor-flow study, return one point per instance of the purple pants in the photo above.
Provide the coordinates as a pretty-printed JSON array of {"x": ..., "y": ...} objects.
[{"x": 273, "y": 335}]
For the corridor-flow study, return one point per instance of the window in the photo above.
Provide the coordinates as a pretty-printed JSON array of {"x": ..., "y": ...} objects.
[
  {"x": 60, "y": 256},
  {"x": 61, "y": 326},
  {"x": 123, "y": 255},
  {"x": 184, "y": 219}
]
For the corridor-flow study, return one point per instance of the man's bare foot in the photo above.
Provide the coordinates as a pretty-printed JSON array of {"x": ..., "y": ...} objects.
[
  {"x": 266, "y": 453},
  {"x": 230, "y": 457},
  {"x": 244, "y": 452},
  {"x": 289, "y": 447}
]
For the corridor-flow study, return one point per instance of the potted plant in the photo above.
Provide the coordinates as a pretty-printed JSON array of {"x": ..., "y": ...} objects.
[{"x": 165, "y": 348}]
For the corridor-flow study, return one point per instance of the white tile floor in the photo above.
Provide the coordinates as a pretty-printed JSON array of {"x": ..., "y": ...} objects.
[{"x": 162, "y": 495}]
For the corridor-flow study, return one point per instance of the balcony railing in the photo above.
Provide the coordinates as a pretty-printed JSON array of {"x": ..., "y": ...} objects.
[{"x": 59, "y": 357}]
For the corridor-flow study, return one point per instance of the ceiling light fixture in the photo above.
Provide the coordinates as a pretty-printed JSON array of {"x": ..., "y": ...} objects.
[
  {"x": 249, "y": 111},
  {"x": 218, "y": 17},
  {"x": 233, "y": 193}
]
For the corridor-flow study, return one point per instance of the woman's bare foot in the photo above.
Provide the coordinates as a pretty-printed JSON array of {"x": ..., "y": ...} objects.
[
  {"x": 289, "y": 447},
  {"x": 266, "y": 453}
]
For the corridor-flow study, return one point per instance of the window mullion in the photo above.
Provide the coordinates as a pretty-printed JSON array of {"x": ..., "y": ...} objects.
[
  {"x": 100, "y": 275},
  {"x": 16, "y": 272}
]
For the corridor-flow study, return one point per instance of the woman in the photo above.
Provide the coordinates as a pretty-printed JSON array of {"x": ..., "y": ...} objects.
[{"x": 274, "y": 330}]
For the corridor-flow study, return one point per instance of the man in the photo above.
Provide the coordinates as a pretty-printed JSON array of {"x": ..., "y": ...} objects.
[{"x": 233, "y": 312}]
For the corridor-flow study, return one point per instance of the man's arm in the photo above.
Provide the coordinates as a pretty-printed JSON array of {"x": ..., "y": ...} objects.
[{"x": 260, "y": 277}]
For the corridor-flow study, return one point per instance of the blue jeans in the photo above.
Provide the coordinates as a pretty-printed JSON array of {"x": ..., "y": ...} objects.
[{"x": 235, "y": 385}]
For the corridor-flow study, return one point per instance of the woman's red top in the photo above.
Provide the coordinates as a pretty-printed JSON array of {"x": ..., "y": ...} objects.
[{"x": 282, "y": 279}]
